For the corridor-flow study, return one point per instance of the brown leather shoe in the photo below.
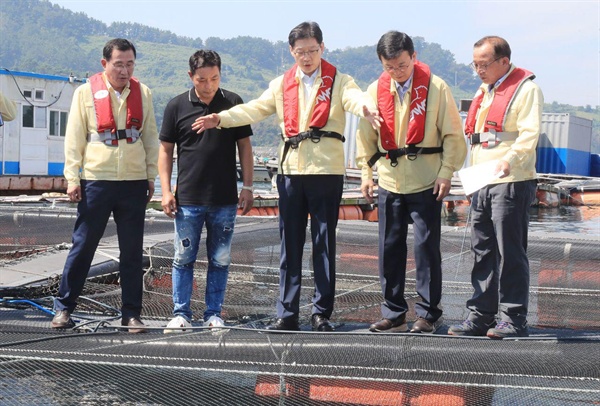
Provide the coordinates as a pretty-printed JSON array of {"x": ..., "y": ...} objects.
[
  {"x": 135, "y": 323},
  {"x": 424, "y": 326},
  {"x": 62, "y": 319},
  {"x": 397, "y": 326}
]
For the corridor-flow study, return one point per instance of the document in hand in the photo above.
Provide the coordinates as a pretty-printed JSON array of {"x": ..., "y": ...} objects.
[{"x": 475, "y": 177}]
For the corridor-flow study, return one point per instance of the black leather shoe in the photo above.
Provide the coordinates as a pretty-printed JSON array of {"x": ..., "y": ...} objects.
[
  {"x": 135, "y": 324},
  {"x": 287, "y": 323},
  {"x": 62, "y": 319},
  {"x": 424, "y": 326},
  {"x": 320, "y": 323},
  {"x": 398, "y": 325}
]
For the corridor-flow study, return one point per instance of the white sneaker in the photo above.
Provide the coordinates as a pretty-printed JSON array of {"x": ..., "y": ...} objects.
[
  {"x": 178, "y": 321},
  {"x": 214, "y": 321}
]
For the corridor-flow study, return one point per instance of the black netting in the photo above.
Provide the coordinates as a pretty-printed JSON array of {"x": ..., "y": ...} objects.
[{"x": 98, "y": 363}]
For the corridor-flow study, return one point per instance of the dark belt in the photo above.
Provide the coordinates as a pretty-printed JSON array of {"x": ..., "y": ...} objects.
[
  {"x": 313, "y": 135},
  {"x": 411, "y": 153}
]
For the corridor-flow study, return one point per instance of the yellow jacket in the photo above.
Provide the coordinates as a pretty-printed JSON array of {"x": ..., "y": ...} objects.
[
  {"x": 98, "y": 161},
  {"x": 525, "y": 116},
  {"x": 8, "y": 108},
  {"x": 443, "y": 127},
  {"x": 323, "y": 158}
]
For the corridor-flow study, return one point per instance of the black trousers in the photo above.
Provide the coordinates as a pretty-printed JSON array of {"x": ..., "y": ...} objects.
[
  {"x": 126, "y": 200},
  {"x": 396, "y": 211},
  {"x": 500, "y": 275},
  {"x": 300, "y": 196}
]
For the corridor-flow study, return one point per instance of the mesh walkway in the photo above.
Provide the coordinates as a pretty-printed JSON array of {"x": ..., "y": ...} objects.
[{"x": 98, "y": 363}]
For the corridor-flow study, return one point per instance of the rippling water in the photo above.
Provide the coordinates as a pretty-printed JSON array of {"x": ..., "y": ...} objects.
[{"x": 566, "y": 219}]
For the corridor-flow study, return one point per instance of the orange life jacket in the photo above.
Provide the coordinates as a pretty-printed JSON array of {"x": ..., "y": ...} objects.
[
  {"x": 320, "y": 113},
  {"x": 503, "y": 98},
  {"x": 107, "y": 127},
  {"x": 418, "y": 107},
  {"x": 416, "y": 124}
]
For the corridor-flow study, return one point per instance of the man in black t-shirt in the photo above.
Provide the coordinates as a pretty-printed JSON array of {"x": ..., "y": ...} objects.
[{"x": 206, "y": 189}]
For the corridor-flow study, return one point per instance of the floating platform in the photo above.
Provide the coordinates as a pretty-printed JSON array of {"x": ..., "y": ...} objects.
[{"x": 99, "y": 363}]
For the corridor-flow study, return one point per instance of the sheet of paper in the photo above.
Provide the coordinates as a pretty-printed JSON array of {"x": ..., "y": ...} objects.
[{"x": 475, "y": 177}]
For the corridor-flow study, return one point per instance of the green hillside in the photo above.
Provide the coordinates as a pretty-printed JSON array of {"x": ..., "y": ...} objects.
[{"x": 38, "y": 36}]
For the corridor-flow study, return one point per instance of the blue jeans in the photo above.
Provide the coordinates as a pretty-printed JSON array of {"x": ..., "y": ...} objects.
[{"x": 189, "y": 220}]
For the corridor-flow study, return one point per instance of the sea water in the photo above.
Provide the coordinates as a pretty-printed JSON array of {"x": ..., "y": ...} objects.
[{"x": 563, "y": 219}]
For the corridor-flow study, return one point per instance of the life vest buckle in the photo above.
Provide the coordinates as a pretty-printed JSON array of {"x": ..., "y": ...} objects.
[
  {"x": 314, "y": 136},
  {"x": 491, "y": 141},
  {"x": 411, "y": 154}
]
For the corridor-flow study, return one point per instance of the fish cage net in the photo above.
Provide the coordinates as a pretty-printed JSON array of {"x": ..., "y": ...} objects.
[{"x": 98, "y": 362}]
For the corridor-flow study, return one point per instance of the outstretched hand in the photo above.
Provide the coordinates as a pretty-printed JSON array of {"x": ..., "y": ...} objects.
[
  {"x": 372, "y": 117},
  {"x": 206, "y": 122}
]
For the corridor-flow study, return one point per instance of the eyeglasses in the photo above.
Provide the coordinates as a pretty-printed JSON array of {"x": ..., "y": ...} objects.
[
  {"x": 400, "y": 68},
  {"x": 483, "y": 67},
  {"x": 309, "y": 53},
  {"x": 121, "y": 66}
]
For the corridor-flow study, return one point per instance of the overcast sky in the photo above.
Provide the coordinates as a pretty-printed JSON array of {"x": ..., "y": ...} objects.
[{"x": 558, "y": 40}]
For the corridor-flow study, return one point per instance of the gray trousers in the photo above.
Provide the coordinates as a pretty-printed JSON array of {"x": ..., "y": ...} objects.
[{"x": 500, "y": 275}]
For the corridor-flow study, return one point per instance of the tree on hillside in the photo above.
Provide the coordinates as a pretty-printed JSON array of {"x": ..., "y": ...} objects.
[
  {"x": 256, "y": 52},
  {"x": 41, "y": 37},
  {"x": 139, "y": 32},
  {"x": 361, "y": 63}
]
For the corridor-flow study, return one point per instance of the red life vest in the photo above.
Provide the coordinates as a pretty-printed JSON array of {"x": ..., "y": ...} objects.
[
  {"x": 418, "y": 107},
  {"x": 503, "y": 98},
  {"x": 320, "y": 113},
  {"x": 107, "y": 127}
]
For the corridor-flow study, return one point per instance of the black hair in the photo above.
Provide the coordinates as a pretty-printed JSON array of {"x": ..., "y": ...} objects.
[
  {"x": 393, "y": 43},
  {"x": 305, "y": 30},
  {"x": 119, "y": 43},
  {"x": 204, "y": 58}
]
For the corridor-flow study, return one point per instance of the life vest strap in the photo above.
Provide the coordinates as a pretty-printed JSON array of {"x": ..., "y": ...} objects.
[
  {"x": 314, "y": 135},
  {"x": 131, "y": 135},
  {"x": 411, "y": 153},
  {"x": 492, "y": 138}
]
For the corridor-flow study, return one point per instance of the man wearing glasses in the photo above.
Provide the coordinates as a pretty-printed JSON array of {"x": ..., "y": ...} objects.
[
  {"x": 111, "y": 155},
  {"x": 503, "y": 125},
  {"x": 418, "y": 147},
  {"x": 310, "y": 100}
]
